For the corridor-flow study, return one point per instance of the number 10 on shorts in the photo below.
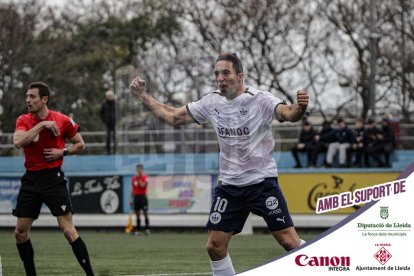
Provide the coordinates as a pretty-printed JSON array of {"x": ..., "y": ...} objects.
[{"x": 219, "y": 207}]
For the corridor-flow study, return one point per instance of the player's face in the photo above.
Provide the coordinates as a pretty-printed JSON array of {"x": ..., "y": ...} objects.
[
  {"x": 228, "y": 81},
  {"x": 33, "y": 101}
]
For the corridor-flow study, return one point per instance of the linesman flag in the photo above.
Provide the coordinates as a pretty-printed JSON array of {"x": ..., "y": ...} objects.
[{"x": 129, "y": 227}]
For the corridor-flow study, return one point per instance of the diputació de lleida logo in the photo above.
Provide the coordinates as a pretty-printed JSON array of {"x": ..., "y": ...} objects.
[{"x": 384, "y": 212}]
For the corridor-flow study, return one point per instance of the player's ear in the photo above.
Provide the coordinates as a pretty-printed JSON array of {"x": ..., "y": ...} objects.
[
  {"x": 45, "y": 99},
  {"x": 240, "y": 76}
]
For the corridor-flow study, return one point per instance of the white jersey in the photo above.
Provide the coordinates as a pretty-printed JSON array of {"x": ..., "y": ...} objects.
[{"x": 244, "y": 132}]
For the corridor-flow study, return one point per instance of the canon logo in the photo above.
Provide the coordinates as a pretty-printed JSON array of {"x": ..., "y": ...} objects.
[{"x": 303, "y": 260}]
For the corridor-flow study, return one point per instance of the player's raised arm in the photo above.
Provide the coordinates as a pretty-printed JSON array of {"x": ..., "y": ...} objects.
[
  {"x": 293, "y": 112},
  {"x": 165, "y": 113}
]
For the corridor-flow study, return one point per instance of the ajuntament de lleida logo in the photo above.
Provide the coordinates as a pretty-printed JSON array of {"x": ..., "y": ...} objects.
[{"x": 384, "y": 212}]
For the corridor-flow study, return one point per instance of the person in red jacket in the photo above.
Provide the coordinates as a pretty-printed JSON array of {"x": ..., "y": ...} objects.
[
  {"x": 43, "y": 133},
  {"x": 139, "y": 198}
]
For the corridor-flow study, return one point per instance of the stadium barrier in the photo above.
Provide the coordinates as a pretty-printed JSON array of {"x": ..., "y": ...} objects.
[{"x": 181, "y": 187}]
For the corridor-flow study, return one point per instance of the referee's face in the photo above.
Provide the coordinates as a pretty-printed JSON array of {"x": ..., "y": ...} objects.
[
  {"x": 228, "y": 81},
  {"x": 33, "y": 101}
]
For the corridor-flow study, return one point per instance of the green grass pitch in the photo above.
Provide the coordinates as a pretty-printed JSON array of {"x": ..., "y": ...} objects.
[{"x": 115, "y": 253}]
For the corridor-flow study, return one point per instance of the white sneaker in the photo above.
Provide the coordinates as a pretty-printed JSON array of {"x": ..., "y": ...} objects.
[
  {"x": 147, "y": 232},
  {"x": 137, "y": 233}
]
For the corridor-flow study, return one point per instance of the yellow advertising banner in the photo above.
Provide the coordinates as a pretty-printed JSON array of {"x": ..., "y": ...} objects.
[{"x": 303, "y": 190}]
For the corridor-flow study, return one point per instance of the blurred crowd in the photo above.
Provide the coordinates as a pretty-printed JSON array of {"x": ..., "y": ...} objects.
[{"x": 364, "y": 144}]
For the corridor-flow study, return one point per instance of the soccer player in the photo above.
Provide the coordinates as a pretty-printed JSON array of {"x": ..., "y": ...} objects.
[
  {"x": 42, "y": 133},
  {"x": 139, "y": 198},
  {"x": 242, "y": 118}
]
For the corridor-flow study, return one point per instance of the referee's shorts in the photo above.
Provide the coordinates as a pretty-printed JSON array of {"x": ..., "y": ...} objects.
[{"x": 44, "y": 186}]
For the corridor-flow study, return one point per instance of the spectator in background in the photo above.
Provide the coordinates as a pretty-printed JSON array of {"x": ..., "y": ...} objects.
[
  {"x": 107, "y": 115},
  {"x": 321, "y": 142},
  {"x": 357, "y": 146},
  {"x": 343, "y": 138},
  {"x": 384, "y": 144},
  {"x": 370, "y": 139},
  {"x": 306, "y": 138},
  {"x": 394, "y": 123}
]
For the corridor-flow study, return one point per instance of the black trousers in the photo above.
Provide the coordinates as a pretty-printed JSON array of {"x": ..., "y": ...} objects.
[{"x": 110, "y": 139}]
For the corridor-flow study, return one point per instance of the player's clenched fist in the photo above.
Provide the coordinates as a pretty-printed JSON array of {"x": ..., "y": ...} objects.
[
  {"x": 302, "y": 98},
  {"x": 137, "y": 87}
]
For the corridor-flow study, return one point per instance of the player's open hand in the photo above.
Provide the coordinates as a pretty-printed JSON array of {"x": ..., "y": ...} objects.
[
  {"x": 137, "y": 87},
  {"x": 302, "y": 98},
  {"x": 52, "y": 126},
  {"x": 52, "y": 154}
]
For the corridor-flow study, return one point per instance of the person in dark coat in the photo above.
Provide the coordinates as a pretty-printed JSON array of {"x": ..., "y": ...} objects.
[
  {"x": 107, "y": 114},
  {"x": 344, "y": 137},
  {"x": 384, "y": 144},
  {"x": 322, "y": 141},
  {"x": 357, "y": 148},
  {"x": 306, "y": 138}
]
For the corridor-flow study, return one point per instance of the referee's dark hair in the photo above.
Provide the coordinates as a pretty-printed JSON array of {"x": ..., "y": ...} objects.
[
  {"x": 43, "y": 89},
  {"x": 232, "y": 57}
]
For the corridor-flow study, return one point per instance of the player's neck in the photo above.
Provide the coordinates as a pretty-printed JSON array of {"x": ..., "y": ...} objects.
[
  {"x": 240, "y": 90},
  {"x": 42, "y": 113}
]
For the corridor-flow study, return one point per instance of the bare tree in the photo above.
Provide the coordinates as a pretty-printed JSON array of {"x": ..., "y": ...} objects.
[{"x": 397, "y": 54}]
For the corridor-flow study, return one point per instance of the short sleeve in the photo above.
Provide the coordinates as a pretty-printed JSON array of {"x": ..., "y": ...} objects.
[
  {"x": 269, "y": 103},
  {"x": 71, "y": 128},
  {"x": 21, "y": 124},
  {"x": 199, "y": 110}
]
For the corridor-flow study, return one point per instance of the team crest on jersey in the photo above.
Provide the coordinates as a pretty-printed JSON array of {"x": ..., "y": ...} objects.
[{"x": 243, "y": 110}]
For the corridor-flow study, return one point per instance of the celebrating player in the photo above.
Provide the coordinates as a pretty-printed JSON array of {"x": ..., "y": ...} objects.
[
  {"x": 43, "y": 133},
  {"x": 242, "y": 118}
]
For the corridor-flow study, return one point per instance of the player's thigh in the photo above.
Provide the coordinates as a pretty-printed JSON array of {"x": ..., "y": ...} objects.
[
  {"x": 270, "y": 204},
  {"x": 55, "y": 194},
  {"x": 228, "y": 212},
  {"x": 28, "y": 203},
  {"x": 145, "y": 204},
  {"x": 140, "y": 203}
]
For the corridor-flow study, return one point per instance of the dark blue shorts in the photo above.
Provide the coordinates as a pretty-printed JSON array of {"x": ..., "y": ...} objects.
[
  {"x": 232, "y": 205},
  {"x": 46, "y": 186}
]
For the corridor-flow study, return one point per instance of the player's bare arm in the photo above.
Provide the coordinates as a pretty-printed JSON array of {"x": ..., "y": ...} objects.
[
  {"x": 53, "y": 154},
  {"x": 293, "y": 112},
  {"x": 165, "y": 113},
  {"x": 23, "y": 137}
]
